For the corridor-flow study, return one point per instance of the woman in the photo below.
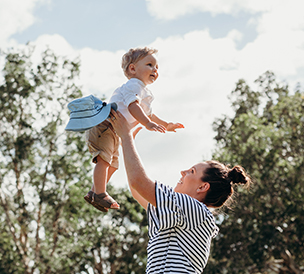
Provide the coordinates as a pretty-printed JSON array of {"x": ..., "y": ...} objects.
[{"x": 180, "y": 224}]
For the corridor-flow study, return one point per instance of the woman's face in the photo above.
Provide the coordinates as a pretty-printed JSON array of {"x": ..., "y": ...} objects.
[{"x": 191, "y": 180}]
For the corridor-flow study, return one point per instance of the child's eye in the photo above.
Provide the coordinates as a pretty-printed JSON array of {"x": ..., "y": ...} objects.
[
  {"x": 192, "y": 170},
  {"x": 150, "y": 65}
]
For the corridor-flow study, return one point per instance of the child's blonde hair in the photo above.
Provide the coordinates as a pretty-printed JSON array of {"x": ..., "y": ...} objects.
[{"x": 133, "y": 56}]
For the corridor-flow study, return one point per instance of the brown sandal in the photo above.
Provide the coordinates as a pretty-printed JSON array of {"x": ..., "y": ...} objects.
[
  {"x": 103, "y": 200},
  {"x": 88, "y": 198}
]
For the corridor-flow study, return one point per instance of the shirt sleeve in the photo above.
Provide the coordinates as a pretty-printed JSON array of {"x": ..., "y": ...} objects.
[
  {"x": 132, "y": 92},
  {"x": 167, "y": 210},
  {"x": 176, "y": 209}
]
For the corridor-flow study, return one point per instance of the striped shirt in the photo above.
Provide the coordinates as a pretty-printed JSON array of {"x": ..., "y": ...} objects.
[{"x": 180, "y": 233}]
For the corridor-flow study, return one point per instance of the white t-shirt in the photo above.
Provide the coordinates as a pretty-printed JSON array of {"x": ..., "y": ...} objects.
[
  {"x": 131, "y": 91},
  {"x": 180, "y": 233}
]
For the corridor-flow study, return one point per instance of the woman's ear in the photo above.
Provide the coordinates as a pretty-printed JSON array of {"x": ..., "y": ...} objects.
[{"x": 204, "y": 187}]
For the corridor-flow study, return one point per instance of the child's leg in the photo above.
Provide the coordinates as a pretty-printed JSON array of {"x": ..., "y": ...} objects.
[
  {"x": 101, "y": 175},
  {"x": 110, "y": 171}
]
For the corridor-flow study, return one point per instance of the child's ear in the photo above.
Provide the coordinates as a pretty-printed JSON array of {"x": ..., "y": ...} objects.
[{"x": 131, "y": 68}]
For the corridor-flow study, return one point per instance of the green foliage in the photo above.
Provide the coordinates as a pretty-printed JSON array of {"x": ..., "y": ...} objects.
[
  {"x": 46, "y": 226},
  {"x": 264, "y": 232}
]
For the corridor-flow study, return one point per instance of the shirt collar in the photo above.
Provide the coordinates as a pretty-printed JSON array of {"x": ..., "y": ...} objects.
[{"x": 138, "y": 81}]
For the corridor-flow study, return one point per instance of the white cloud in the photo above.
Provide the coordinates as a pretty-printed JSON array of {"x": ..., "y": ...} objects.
[
  {"x": 282, "y": 17},
  {"x": 278, "y": 46},
  {"x": 100, "y": 71},
  {"x": 56, "y": 43},
  {"x": 15, "y": 16}
]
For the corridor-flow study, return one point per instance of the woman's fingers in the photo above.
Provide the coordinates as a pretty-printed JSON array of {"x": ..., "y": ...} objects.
[
  {"x": 115, "y": 115},
  {"x": 136, "y": 131},
  {"x": 119, "y": 123}
]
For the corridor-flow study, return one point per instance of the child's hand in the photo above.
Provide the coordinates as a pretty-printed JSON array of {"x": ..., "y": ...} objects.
[
  {"x": 155, "y": 127},
  {"x": 174, "y": 126}
]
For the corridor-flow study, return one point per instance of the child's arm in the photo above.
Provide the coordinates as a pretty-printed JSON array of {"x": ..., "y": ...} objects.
[
  {"x": 138, "y": 113},
  {"x": 169, "y": 126}
]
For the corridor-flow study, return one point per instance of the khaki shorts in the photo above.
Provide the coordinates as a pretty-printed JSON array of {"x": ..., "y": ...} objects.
[{"x": 103, "y": 141}]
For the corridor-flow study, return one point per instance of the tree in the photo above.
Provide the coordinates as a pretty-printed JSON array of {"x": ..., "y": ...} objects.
[
  {"x": 46, "y": 227},
  {"x": 264, "y": 231}
]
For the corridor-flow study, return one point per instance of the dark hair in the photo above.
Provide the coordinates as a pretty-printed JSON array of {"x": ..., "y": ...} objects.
[{"x": 221, "y": 179}]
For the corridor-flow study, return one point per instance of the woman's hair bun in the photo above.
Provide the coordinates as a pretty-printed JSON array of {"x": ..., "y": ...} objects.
[{"x": 238, "y": 175}]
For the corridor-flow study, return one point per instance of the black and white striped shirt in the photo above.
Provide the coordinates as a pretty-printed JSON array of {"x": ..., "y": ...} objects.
[{"x": 180, "y": 233}]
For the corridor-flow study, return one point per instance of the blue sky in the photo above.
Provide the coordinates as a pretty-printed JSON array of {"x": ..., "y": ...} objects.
[
  {"x": 113, "y": 25},
  {"x": 204, "y": 46}
]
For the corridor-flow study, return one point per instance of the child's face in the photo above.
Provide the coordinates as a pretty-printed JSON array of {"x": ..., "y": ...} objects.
[{"x": 145, "y": 69}]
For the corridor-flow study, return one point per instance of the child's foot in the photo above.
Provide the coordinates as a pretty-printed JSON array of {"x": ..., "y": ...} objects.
[
  {"x": 88, "y": 198},
  {"x": 104, "y": 200}
]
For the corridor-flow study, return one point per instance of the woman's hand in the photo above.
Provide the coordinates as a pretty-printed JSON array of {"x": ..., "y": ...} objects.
[
  {"x": 135, "y": 131},
  {"x": 120, "y": 124}
]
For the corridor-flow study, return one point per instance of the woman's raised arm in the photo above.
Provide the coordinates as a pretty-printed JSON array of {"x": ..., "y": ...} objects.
[{"x": 137, "y": 177}]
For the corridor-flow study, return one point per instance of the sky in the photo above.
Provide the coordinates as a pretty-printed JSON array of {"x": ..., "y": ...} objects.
[{"x": 204, "y": 48}]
